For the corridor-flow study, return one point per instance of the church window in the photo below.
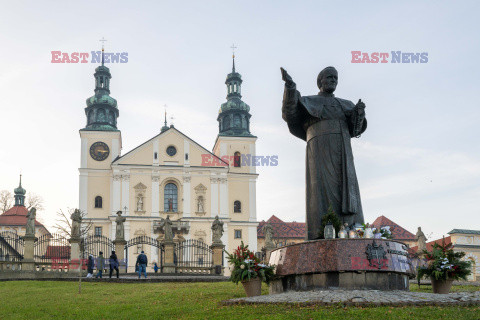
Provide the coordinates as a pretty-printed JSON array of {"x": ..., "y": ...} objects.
[
  {"x": 155, "y": 155},
  {"x": 238, "y": 234},
  {"x": 171, "y": 198},
  {"x": 235, "y": 87},
  {"x": 98, "y": 202},
  {"x": 186, "y": 156},
  {"x": 98, "y": 231},
  {"x": 237, "y": 159},
  {"x": 237, "y": 206}
]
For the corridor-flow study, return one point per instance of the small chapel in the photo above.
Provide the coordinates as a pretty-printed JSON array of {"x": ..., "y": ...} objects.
[{"x": 167, "y": 175}]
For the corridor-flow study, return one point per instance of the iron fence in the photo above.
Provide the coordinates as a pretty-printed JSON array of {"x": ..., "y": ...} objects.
[
  {"x": 11, "y": 246},
  {"x": 51, "y": 247}
]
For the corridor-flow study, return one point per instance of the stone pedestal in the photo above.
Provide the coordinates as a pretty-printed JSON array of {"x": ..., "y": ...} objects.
[
  {"x": 374, "y": 264},
  {"x": 28, "y": 262},
  {"x": 75, "y": 254},
  {"x": 217, "y": 249},
  {"x": 169, "y": 263},
  {"x": 268, "y": 252},
  {"x": 120, "y": 249}
]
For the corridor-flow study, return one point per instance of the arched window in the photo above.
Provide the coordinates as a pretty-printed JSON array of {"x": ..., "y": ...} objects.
[
  {"x": 237, "y": 206},
  {"x": 98, "y": 202},
  {"x": 237, "y": 159},
  {"x": 170, "y": 198}
]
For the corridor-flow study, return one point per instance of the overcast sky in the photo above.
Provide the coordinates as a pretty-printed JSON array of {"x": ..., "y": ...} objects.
[{"x": 417, "y": 163}]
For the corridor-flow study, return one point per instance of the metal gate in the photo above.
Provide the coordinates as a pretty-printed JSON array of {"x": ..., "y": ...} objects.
[
  {"x": 149, "y": 241},
  {"x": 193, "y": 256},
  {"x": 50, "y": 247},
  {"x": 94, "y": 244}
]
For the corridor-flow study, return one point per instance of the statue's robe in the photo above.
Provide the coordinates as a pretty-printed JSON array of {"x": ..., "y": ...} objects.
[{"x": 327, "y": 124}]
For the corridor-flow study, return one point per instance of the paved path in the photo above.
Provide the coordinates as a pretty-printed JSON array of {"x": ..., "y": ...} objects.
[{"x": 362, "y": 298}]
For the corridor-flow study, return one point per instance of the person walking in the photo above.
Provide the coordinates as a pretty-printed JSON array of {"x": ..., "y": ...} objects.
[
  {"x": 90, "y": 265},
  {"x": 142, "y": 262},
  {"x": 113, "y": 264},
  {"x": 155, "y": 267},
  {"x": 100, "y": 265}
]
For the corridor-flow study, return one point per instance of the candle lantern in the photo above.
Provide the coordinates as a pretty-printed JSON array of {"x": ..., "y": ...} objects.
[
  {"x": 352, "y": 234},
  {"x": 342, "y": 234},
  {"x": 329, "y": 231}
]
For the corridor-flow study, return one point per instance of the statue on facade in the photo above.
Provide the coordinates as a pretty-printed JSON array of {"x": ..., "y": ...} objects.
[
  {"x": 140, "y": 203},
  {"x": 30, "y": 228},
  {"x": 76, "y": 224},
  {"x": 119, "y": 228},
  {"x": 217, "y": 231},
  {"x": 327, "y": 124},
  {"x": 166, "y": 225},
  {"x": 268, "y": 232},
  {"x": 421, "y": 240},
  {"x": 200, "y": 207}
]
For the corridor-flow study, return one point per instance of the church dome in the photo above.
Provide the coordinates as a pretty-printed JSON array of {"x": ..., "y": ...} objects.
[
  {"x": 101, "y": 99},
  {"x": 234, "y": 104}
]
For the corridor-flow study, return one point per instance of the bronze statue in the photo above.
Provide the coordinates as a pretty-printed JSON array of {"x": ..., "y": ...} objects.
[{"x": 327, "y": 124}]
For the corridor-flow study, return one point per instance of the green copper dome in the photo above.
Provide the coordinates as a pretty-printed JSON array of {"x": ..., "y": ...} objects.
[
  {"x": 19, "y": 194},
  {"x": 101, "y": 110},
  {"x": 233, "y": 116}
]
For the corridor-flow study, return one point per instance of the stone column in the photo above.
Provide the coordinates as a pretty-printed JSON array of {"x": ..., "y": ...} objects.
[
  {"x": 169, "y": 265},
  {"x": 28, "y": 263},
  {"x": 217, "y": 258}
]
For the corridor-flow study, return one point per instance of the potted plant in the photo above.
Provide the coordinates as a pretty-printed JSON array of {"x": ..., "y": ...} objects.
[
  {"x": 443, "y": 265},
  {"x": 247, "y": 269}
]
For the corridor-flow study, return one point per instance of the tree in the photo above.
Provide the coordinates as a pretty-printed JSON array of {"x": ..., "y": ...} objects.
[
  {"x": 6, "y": 200},
  {"x": 34, "y": 201}
]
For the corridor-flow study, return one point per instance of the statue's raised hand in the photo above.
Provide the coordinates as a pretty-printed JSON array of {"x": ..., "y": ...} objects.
[{"x": 286, "y": 77}]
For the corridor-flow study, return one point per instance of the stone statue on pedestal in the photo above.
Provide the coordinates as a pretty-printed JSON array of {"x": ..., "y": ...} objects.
[
  {"x": 327, "y": 124},
  {"x": 217, "y": 231},
  {"x": 268, "y": 232},
  {"x": 166, "y": 224},
  {"x": 30, "y": 228},
  {"x": 119, "y": 229},
  {"x": 76, "y": 224},
  {"x": 421, "y": 240},
  {"x": 140, "y": 203}
]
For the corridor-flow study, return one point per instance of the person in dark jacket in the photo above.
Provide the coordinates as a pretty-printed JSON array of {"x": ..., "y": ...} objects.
[
  {"x": 100, "y": 265},
  {"x": 90, "y": 265},
  {"x": 142, "y": 262},
  {"x": 113, "y": 264}
]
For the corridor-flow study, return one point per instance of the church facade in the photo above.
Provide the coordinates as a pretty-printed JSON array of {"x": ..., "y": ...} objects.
[{"x": 169, "y": 175}]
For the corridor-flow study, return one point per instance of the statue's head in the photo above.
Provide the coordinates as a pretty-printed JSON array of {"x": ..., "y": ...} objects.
[
  {"x": 119, "y": 213},
  {"x": 327, "y": 80}
]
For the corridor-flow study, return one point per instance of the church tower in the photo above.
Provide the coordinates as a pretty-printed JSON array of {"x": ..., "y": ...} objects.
[
  {"x": 236, "y": 145},
  {"x": 101, "y": 143}
]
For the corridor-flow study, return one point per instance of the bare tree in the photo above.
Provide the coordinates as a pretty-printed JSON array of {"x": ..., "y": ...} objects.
[
  {"x": 34, "y": 201},
  {"x": 6, "y": 200},
  {"x": 63, "y": 224}
]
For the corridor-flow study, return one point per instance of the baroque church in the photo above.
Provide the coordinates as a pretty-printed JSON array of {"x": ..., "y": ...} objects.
[{"x": 167, "y": 175}]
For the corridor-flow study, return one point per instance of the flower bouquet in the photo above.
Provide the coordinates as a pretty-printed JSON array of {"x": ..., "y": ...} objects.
[
  {"x": 246, "y": 268},
  {"x": 443, "y": 265}
]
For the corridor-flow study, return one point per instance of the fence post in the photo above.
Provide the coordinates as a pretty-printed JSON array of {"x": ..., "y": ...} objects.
[
  {"x": 28, "y": 263},
  {"x": 217, "y": 251},
  {"x": 169, "y": 265}
]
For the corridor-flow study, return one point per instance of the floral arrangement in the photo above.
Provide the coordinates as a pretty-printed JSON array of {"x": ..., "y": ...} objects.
[
  {"x": 246, "y": 266},
  {"x": 443, "y": 263}
]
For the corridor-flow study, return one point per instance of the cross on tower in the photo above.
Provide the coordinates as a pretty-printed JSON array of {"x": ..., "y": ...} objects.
[
  {"x": 233, "y": 49},
  {"x": 103, "y": 41}
]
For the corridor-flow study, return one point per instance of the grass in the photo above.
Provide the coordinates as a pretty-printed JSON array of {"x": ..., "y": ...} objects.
[
  {"x": 52, "y": 299},
  {"x": 428, "y": 288}
]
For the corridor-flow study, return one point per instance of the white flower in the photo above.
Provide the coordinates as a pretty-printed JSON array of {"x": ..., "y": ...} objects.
[
  {"x": 248, "y": 260},
  {"x": 242, "y": 266},
  {"x": 261, "y": 265}
]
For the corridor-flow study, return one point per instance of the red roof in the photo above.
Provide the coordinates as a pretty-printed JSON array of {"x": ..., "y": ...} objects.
[
  {"x": 16, "y": 216},
  {"x": 398, "y": 233},
  {"x": 430, "y": 244},
  {"x": 283, "y": 229}
]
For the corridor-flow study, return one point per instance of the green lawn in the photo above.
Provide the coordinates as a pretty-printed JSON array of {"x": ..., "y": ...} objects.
[{"x": 55, "y": 299}]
